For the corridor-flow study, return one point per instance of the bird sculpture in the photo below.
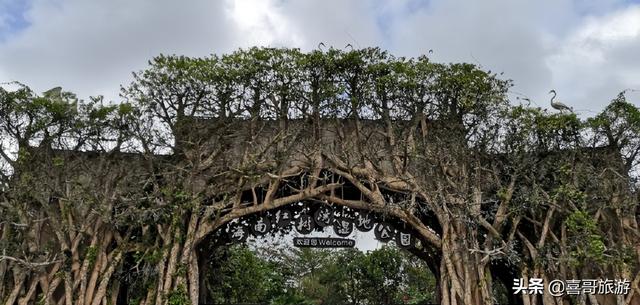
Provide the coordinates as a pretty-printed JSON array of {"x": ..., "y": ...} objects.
[
  {"x": 525, "y": 99},
  {"x": 558, "y": 105}
]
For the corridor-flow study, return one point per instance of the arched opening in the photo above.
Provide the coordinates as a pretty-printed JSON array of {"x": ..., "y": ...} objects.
[
  {"x": 323, "y": 219},
  {"x": 348, "y": 213},
  {"x": 374, "y": 259}
]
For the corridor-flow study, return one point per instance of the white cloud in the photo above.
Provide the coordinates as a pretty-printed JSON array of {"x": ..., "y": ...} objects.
[
  {"x": 334, "y": 22},
  {"x": 599, "y": 58},
  {"x": 500, "y": 35},
  {"x": 261, "y": 22},
  {"x": 583, "y": 49},
  {"x": 91, "y": 47},
  {"x": 540, "y": 45}
]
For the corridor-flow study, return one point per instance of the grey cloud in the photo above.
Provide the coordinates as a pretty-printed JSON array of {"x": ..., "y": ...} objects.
[
  {"x": 498, "y": 35},
  {"x": 91, "y": 47},
  {"x": 522, "y": 39},
  {"x": 599, "y": 59},
  {"x": 335, "y": 22}
]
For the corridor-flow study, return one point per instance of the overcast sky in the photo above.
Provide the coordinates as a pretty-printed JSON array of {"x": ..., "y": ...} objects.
[{"x": 587, "y": 50}]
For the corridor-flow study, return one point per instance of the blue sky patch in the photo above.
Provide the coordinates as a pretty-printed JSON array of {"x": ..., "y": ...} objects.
[{"x": 12, "y": 17}]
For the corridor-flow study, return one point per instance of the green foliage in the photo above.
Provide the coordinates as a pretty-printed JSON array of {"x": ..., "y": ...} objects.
[
  {"x": 618, "y": 126},
  {"x": 532, "y": 129},
  {"x": 455, "y": 115},
  {"x": 178, "y": 296},
  {"x": 91, "y": 255},
  {"x": 291, "y": 299},
  {"x": 125, "y": 109},
  {"x": 58, "y": 161},
  {"x": 316, "y": 276},
  {"x": 101, "y": 113},
  {"x": 382, "y": 275},
  {"x": 153, "y": 257},
  {"x": 567, "y": 193},
  {"x": 243, "y": 277},
  {"x": 557, "y": 123},
  {"x": 334, "y": 83},
  {"x": 618, "y": 120},
  {"x": 580, "y": 221},
  {"x": 589, "y": 245},
  {"x": 23, "y": 155},
  {"x": 135, "y": 301}
]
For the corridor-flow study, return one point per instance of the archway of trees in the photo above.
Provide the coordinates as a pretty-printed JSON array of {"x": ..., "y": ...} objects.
[
  {"x": 198, "y": 142},
  {"x": 345, "y": 203},
  {"x": 270, "y": 269}
]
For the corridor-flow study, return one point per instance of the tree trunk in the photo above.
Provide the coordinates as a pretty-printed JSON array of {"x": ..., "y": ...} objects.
[
  {"x": 19, "y": 278},
  {"x": 460, "y": 271}
]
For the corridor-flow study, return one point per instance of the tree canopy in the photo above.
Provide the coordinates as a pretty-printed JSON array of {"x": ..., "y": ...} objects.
[
  {"x": 492, "y": 189},
  {"x": 316, "y": 276}
]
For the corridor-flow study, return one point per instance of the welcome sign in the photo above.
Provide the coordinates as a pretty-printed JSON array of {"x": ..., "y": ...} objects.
[{"x": 323, "y": 242}]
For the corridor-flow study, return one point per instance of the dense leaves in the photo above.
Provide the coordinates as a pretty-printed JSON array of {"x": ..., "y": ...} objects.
[{"x": 383, "y": 276}]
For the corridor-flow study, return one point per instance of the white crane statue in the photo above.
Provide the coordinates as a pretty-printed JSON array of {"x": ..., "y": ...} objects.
[{"x": 558, "y": 105}]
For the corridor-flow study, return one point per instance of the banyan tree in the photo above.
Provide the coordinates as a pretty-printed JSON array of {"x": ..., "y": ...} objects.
[{"x": 92, "y": 193}]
